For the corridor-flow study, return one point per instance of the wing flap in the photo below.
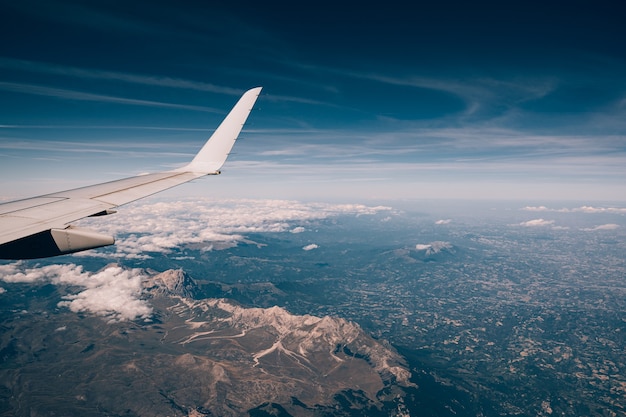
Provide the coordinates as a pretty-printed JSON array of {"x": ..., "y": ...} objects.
[{"x": 54, "y": 214}]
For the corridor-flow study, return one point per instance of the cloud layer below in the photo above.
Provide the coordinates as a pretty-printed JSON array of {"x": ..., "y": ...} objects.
[
  {"x": 113, "y": 293},
  {"x": 162, "y": 226}
]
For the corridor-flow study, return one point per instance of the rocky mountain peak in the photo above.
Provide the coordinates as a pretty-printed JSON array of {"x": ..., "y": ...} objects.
[{"x": 172, "y": 282}]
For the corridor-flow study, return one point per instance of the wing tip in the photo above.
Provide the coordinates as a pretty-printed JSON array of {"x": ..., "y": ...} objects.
[
  {"x": 217, "y": 148},
  {"x": 255, "y": 90}
]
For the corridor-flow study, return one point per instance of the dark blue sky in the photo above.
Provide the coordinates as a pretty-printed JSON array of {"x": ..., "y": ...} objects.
[{"x": 454, "y": 99}]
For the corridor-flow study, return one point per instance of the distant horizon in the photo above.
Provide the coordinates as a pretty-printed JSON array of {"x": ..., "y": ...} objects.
[{"x": 210, "y": 193}]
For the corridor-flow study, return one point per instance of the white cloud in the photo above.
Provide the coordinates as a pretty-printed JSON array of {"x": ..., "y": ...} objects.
[
  {"x": 589, "y": 209},
  {"x": 537, "y": 223},
  {"x": 582, "y": 209},
  {"x": 2, "y": 290},
  {"x": 609, "y": 226},
  {"x": 310, "y": 247},
  {"x": 536, "y": 208},
  {"x": 164, "y": 225},
  {"x": 112, "y": 293},
  {"x": 433, "y": 247},
  {"x": 443, "y": 221}
]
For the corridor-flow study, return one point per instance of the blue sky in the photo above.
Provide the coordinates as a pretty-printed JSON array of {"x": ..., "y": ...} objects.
[{"x": 480, "y": 100}]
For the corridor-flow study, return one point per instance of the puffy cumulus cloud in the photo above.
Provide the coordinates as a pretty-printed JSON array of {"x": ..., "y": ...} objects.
[
  {"x": 537, "y": 223},
  {"x": 113, "y": 293},
  {"x": 58, "y": 274},
  {"x": 161, "y": 226},
  {"x": 310, "y": 247},
  {"x": 2, "y": 290},
  {"x": 536, "y": 208},
  {"x": 609, "y": 226},
  {"x": 443, "y": 221}
]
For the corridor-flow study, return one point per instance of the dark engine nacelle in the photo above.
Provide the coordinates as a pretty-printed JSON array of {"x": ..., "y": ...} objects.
[{"x": 54, "y": 242}]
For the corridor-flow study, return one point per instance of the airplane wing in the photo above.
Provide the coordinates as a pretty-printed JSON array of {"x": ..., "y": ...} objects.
[{"x": 40, "y": 227}]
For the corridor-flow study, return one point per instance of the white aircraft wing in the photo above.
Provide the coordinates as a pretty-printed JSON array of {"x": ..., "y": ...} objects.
[{"x": 40, "y": 227}]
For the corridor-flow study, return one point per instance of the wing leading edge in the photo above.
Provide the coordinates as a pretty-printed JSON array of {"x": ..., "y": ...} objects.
[{"x": 40, "y": 227}]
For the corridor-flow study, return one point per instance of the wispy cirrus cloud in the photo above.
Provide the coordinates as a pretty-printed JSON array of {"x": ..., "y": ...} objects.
[
  {"x": 480, "y": 145},
  {"x": 142, "y": 79},
  {"x": 83, "y": 96},
  {"x": 137, "y": 79},
  {"x": 478, "y": 92},
  {"x": 152, "y": 80}
]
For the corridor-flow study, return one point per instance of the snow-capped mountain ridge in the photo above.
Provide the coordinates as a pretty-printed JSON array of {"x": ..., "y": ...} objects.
[
  {"x": 268, "y": 354},
  {"x": 300, "y": 337}
]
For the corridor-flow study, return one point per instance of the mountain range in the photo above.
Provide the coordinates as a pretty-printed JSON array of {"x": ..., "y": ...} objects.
[{"x": 192, "y": 357}]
